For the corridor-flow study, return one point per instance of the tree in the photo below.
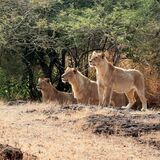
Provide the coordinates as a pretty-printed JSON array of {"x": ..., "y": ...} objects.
[{"x": 36, "y": 37}]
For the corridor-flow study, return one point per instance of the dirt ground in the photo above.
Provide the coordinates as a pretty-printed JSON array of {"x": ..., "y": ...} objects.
[{"x": 80, "y": 132}]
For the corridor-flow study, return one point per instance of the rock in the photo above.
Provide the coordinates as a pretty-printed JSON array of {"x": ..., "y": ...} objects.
[{"x": 10, "y": 153}]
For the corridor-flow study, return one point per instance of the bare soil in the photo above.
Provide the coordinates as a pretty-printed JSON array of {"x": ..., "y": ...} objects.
[{"x": 77, "y": 132}]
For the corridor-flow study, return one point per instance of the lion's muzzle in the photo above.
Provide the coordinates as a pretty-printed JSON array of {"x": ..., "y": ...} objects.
[
  {"x": 64, "y": 80},
  {"x": 91, "y": 63},
  {"x": 38, "y": 87}
]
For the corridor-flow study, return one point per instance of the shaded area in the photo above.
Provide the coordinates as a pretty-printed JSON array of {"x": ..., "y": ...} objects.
[
  {"x": 124, "y": 125},
  {"x": 120, "y": 125},
  {"x": 116, "y": 122},
  {"x": 151, "y": 142},
  {"x": 66, "y": 109}
]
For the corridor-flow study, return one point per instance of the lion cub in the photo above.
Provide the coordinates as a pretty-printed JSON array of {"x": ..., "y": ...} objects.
[
  {"x": 51, "y": 94},
  {"x": 111, "y": 78}
]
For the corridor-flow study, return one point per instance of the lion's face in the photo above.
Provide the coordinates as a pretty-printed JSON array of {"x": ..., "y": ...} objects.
[
  {"x": 69, "y": 74},
  {"x": 96, "y": 59},
  {"x": 43, "y": 84}
]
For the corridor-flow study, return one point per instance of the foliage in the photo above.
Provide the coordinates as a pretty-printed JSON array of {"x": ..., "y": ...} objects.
[
  {"x": 11, "y": 89},
  {"x": 36, "y": 36}
]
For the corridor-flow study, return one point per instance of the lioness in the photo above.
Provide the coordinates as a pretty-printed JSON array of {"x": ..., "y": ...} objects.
[
  {"x": 111, "y": 78},
  {"x": 86, "y": 90},
  {"x": 51, "y": 94}
]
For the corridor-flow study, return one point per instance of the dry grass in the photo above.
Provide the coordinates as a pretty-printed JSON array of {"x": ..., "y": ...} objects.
[
  {"x": 56, "y": 133},
  {"x": 152, "y": 79}
]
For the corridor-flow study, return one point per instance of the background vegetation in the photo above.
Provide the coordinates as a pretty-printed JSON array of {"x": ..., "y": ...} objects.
[{"x": 38, "y": 37}]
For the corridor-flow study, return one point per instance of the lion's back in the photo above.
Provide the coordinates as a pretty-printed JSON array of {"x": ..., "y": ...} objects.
[{"x": 66, "y": 98}]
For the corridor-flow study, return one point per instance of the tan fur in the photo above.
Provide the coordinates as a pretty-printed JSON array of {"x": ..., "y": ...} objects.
[
  {"x": 111, "y": 78},
  {"x": 86, "y": 90},
  {"x": 51, "y": 94}
]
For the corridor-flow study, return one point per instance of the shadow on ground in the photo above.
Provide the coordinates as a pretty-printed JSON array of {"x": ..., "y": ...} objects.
[
  {"x": 110, "y": 121},
  {"x": 124, "y": 125}
]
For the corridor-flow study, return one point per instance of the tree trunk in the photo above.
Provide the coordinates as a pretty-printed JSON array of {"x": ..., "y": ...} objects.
[
  {"x": 61, "y": 86},
  {"x": 29, "y": 75}
]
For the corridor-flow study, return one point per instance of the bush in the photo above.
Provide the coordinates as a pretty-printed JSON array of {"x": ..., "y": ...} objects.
[{"x": 12, "y": 89}]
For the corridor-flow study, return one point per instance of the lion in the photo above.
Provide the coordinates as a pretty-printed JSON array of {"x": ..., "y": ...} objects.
[
  {"x": 51, "y": 94},
  {"x": 86, "y": 90},
  {"x": 111, "y": 78}
]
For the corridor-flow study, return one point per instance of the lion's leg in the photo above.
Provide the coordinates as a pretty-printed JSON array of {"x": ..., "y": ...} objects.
[
  {"x": 131, "y": 99},
  {"x": 107, "y": 96},
  {"x": 143, "y": 99},
  {"x": 140, "y": 89},
  {"x": 100, "y": 95}
]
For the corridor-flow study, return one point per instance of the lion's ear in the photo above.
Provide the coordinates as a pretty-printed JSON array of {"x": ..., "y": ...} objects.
[
  {"x": 39, "y": 80},
  {"x": 68, "y": 67},
  {"x": 75, "y": 70},
  {"x": 103, "y": 55},
  {"x": 94, "y": 52},
  {"x": 47, "y": 80}
]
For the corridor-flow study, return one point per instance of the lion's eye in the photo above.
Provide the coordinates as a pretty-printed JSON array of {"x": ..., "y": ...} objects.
[{"x": 68, "y": 74}]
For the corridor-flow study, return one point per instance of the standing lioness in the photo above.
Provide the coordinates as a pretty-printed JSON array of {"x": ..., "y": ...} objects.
[{"x": 111, "y": 78}]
